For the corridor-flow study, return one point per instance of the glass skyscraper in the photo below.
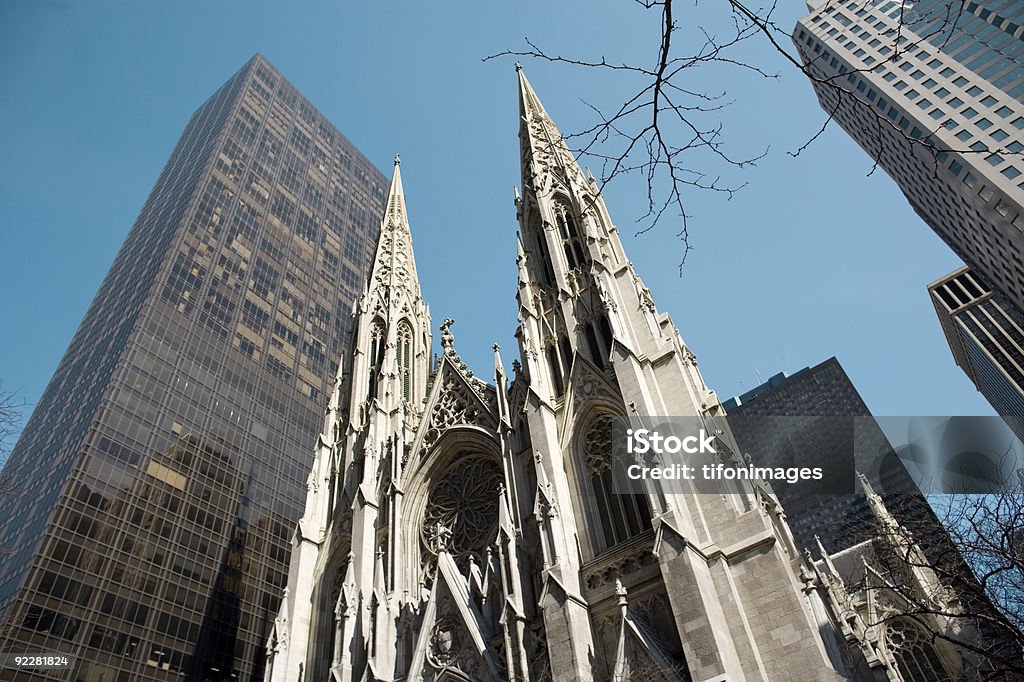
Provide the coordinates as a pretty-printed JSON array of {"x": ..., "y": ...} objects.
[{"x": 149, "y": 504}]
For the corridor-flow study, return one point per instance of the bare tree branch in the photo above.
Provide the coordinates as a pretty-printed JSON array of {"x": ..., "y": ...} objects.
[{"x": 671, "y": 135}]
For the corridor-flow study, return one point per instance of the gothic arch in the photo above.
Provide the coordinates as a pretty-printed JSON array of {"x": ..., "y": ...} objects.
[
  {"x": 913, "y": 651},
  {"x": 536, "y": 245},
  {"x": 375, "y": 345},
  {"x": 405, "y": 351},
  {"x": 567, "y": 224},
  {"x": 610, "y": 518},
  {"x": 463, "y": 453}
]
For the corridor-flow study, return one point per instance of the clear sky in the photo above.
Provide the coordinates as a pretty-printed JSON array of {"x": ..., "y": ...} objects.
[{"x": 811, "y": 259}]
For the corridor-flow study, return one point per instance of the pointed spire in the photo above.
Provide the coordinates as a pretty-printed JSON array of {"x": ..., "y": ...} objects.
[
  {"x": 827, "y": 558},
  {"x": 619, "y": 670},
  {"x": 396, "y": 196},
  {"x": 864, "y": 483},
  {"x": 878, "y": 508},
  {"x": 529, "y": 104},
  {"x": 499, "y": 369},
  {"x": 525, "y": 293},
  {"x": 379, "y": 586},
  {"x": 539, "y": 134},
  {"x": 501, "y": 388},
  {"x": 393, "y": 263}
]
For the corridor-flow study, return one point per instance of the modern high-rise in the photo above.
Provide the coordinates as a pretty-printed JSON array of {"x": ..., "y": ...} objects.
[
  {"x": 986, "y": 335},
  {"x": 817, "y": 417},
  {"x": 934, "y": 92},
  {"x": 152, "y": 496},
  {"x": 817, "y": 414}
]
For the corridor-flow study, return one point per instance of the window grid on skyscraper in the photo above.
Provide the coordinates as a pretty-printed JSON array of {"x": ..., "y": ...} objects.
[
  {"x": 941, "y": 130},
  {"x": 167, "y": 458}
]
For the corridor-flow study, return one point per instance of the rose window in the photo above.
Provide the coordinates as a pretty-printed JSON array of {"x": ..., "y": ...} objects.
[{"x": 462, "y": 509}]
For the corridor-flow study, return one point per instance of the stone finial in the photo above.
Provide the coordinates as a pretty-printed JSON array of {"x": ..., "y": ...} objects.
[
  {"x": 620, "y": 592},
  {"x": 447, "y": 338},
  {"x": 398, "y": 160}
]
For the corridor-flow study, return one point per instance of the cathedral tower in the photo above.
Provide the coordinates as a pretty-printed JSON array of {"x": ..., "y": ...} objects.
[
  {"x": 711, "y": 578},
  {"x": 460, "y": 529},
  {"x": 339, "y": 588}
]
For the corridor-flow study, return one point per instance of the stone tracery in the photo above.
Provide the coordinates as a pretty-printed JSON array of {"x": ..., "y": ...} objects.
[{"x": 462, "y": 509}]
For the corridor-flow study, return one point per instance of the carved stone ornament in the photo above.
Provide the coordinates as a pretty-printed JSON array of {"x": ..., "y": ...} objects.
[
  {"x": 462, "y": 509},
  {"x": 450, "y": 647},
  {"x": 597, "y": 445},
  {"x": 454, "y": 406},
  {"x": 442, "y": 642}
]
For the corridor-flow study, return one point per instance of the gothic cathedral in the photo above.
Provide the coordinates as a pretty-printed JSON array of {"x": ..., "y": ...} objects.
[{"x": 460, "y": 529}]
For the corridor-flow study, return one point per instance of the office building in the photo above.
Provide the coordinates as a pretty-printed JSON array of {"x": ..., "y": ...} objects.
[
  {"x": 155, "y": 488},
  {"x": 986, "y": 335},
  {"x": 816, "y": 415},
  {"x": 933, "y": 91}
]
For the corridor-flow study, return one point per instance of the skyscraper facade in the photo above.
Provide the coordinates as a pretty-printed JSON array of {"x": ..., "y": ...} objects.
[
  {"x": 934, "y": 92},
  {"x": 818, "y": 414},
  {"x": 986, "y": 335},
  {"x": 150, "y": 502}
]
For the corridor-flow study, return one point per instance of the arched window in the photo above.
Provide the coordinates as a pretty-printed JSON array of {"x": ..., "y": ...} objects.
[
  {"x": 556, "y": 371},
  {"x": 404, "y": 358},
  {"x": 376, "y": 355},
  {"x": 543, "y": 260},
  {"x": 623, "y": 516},
  {"x": 915, "y": 655},
  {"x": 568, "y": 230},
  {"x": 559, "y": 364},
  {"x": 606, "y": 332}
]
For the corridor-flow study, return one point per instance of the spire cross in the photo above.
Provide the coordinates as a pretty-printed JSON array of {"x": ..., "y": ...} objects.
[
  {"x": 519, "y": 67},
  {"x": 398, "y": 161}
]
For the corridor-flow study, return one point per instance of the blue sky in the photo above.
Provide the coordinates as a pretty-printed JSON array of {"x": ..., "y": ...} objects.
[{"x": 811, "y": 259}]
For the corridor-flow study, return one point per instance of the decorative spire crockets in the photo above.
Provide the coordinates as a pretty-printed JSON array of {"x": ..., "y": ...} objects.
[
  {"x": 529, "y": 104},
  {"x": 542, "y": 147},
  {"x": 393, "y": 264}
]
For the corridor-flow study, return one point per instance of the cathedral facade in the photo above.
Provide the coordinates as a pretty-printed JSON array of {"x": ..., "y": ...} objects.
[{"x": 463, "y": 529}]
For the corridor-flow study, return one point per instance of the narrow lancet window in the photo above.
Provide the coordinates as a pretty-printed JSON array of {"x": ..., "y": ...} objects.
[
  {"x": 572, "y": 242},
  {"x": 404, "y": 358},
  {"x": 376, "y": 355},
  {"x": 622, "y": 516}
]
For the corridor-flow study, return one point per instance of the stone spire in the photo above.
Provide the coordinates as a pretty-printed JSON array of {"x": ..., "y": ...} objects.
[
  {"x": 543, "y": 148},
  {"x": 529, "y": 104},
  {"x": 393, "y": 264}
]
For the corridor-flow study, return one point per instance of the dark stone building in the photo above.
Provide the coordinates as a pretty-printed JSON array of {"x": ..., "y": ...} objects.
[{"x": 816, "y": 417}]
